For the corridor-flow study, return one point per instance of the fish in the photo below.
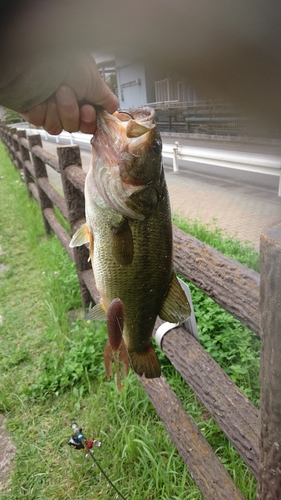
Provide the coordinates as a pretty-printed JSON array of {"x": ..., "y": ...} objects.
[{"x": 129, "y": 231}]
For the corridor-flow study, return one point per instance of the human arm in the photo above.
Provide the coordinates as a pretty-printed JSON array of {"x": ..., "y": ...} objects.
[
  {"x": 64, "y": 109},
  {"x": 63, "y": 94}
]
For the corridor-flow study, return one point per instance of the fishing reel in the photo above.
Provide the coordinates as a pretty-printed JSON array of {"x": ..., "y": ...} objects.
[{"x": 78, "y": 440}]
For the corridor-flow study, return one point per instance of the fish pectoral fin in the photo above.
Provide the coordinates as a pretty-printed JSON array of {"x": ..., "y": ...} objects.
[
  {"x": 122, "y": 243},
  {"x": 81, "y": 236},
  {"x": 97, "y": 313},
  {"x": 176, "y": 308},
  {"x": 145, "y": 362}
]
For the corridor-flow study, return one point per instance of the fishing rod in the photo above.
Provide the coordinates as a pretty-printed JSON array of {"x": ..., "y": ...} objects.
[{"x": 78, "y": 441}]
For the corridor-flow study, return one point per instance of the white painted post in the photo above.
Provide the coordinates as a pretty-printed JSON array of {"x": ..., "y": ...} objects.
[{"x": 175, "y": 158}]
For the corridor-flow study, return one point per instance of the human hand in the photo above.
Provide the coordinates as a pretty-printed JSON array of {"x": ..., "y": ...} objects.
[{"x": 61, "y": 110}]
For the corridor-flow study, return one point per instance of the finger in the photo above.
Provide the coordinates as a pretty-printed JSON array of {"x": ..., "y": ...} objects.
[
  {"x": 36, "y": 115},
  {"x": 68, "y": 108},
  {"x": 88, "y": 124},
  {"x": 52, "y": 123}
]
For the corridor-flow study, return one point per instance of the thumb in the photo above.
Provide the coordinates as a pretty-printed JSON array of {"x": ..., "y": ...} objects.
[{"x": 85, "y": 80}]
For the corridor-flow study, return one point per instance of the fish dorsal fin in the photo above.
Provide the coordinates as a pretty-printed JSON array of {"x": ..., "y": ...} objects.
[
  {"x": 176, "y": 308},
  {"x": 97, "y": 313},
  {"x": 122, "y": 243},
  {"x": 81, "y": 237}
]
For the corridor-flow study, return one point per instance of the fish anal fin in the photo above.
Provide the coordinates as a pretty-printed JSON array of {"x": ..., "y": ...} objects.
[
  {"x": 145, "y": 362},
  {"x": 176, "y": 308},
  {"x": 81, "y": 236},
  {"x": 122, "y": 243},
  {"x": 97, "y": 313}
]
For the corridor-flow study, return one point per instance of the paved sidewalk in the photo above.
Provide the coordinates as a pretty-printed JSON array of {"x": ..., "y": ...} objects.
[{"x": 243, "y": 211}]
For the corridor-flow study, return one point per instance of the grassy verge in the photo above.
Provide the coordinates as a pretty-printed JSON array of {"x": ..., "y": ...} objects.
[{"x": 52, "y": 372}]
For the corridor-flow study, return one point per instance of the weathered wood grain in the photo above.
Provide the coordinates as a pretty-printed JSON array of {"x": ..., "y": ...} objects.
[
  {"x": 53, "y": 195},
  {"x": 235, "y": 415},
  {"x": 34, "y": 191},
  {"x": 28, "y": 165},
  {"x": 40, "y": 171},
  {"x": 270, "y": 371},
  {"x": 76, "y": 176},
  {"x": 205, "y": 468},
  {"x": 25, "y": 156},
  {"x": 69, "y": 156},
  {"x": 44, "y": 156},
  {"x": 232, "y": 285},
  {"x": 60, "y": 232}
]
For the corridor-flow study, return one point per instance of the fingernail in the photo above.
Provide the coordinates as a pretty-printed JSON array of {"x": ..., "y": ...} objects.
[
  {"x": 64, "y": 95},
  {"x": 87, "y": 113}
]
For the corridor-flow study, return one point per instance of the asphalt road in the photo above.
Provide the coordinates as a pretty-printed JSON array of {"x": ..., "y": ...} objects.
[{"x": 205, "y": 172}]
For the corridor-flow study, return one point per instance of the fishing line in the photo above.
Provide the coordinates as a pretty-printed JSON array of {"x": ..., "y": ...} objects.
[
  {"x": 78, "y": 441},
  {"x": 125, "y": 113}
]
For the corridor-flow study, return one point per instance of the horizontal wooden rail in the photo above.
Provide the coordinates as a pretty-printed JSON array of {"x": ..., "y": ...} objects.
[
  {"x": 34, "y": 191},
  {"x": 28, "y": 165},
  {"x": 60, "y": 232},
  {"x": 206, "y": 469},
  {"x": 235, "y": 415},
  {"x": 76, "y": 176},
  {"x": 53, "y": 194},
  {"x": 232, "y": 285},
  {"x": 48, "y": 158}
]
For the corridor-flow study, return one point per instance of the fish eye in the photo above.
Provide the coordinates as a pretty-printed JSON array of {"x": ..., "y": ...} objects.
[{"x": 157, "y": 147}]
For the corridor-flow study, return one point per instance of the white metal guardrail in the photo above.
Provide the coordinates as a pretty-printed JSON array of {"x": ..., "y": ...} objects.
[{"x": 250, "y": 162}]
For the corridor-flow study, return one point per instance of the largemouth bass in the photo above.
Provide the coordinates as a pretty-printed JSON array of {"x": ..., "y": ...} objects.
[{"x": 128, "y": 226}]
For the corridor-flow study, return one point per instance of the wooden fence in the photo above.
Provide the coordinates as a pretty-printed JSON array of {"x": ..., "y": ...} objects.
[{"x": 253, "y": 299}]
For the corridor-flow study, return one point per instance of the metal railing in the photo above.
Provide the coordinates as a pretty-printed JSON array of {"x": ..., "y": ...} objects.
[{"x": 268, "y": 164}]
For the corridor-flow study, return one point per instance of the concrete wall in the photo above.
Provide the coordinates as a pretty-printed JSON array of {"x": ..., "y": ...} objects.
[{"x": 131, "y": 80}]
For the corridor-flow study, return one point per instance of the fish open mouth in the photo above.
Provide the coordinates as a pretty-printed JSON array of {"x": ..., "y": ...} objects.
[
  {"x": 127, "y": 161},
  {"x": 130, "y": 130}
]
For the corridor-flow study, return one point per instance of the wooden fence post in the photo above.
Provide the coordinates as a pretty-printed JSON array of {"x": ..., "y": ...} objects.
[
  {"x": 12, "y": 131},
  {"x": 25, "y": 157},
  {"x": 75, "y": 200},
  {"x": 40, "y": 171},
  {"x": 270, "y": 371},
  {"x": 17, "y": 152}
]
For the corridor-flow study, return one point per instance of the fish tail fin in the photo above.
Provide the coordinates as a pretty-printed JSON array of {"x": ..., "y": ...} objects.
[{"x": 145, "y": 362}]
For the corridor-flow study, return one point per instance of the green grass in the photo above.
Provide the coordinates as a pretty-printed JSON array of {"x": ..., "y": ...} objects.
[
  {"x": 52, "y": 373},
  {"x": 233, "y": 346}
]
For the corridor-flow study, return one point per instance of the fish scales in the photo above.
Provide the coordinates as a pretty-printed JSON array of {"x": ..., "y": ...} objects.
[
  {"x": 142, "y": 285},
  {"x": 128, "y": 224}
]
